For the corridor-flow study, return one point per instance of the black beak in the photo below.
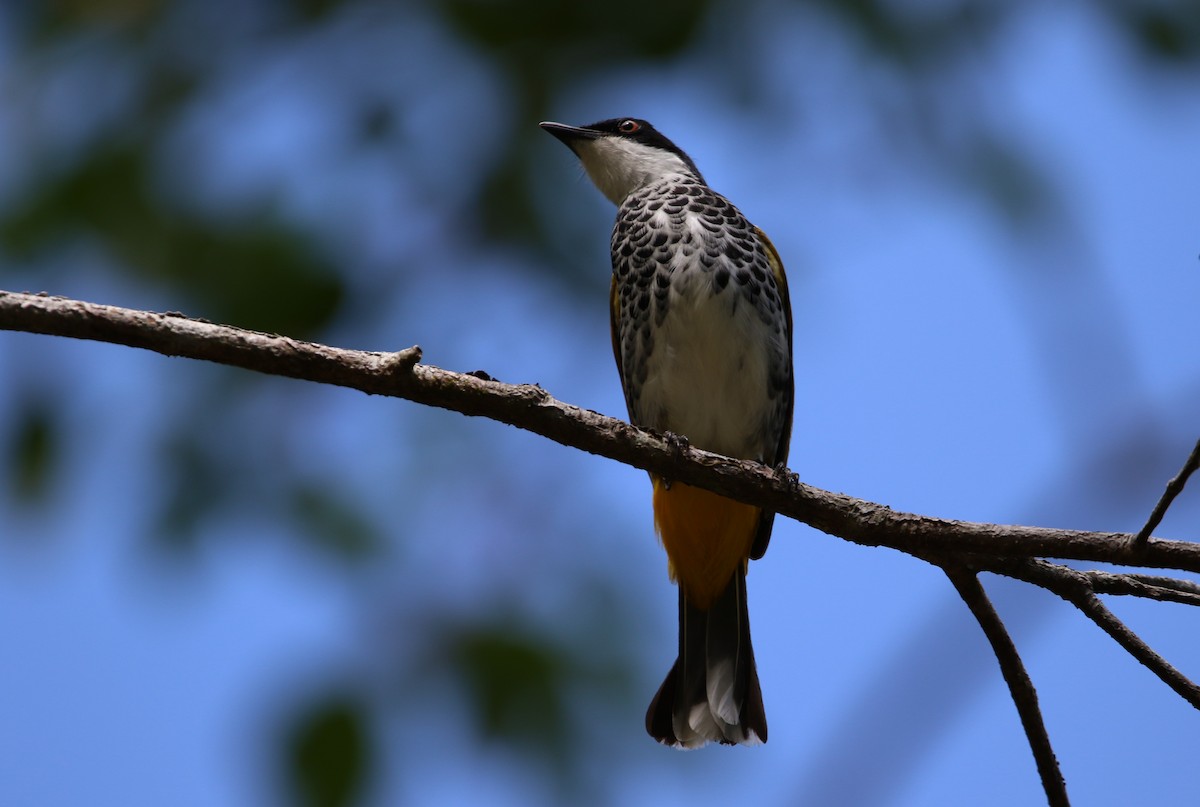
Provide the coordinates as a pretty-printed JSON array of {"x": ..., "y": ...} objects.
[{"x": 569, "y": 135}]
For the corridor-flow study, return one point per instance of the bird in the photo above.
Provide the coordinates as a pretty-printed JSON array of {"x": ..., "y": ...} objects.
[{"x": 702, "y": 335}]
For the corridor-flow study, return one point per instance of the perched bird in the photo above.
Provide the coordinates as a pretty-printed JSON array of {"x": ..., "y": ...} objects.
[{"x": 702, "y": 333}]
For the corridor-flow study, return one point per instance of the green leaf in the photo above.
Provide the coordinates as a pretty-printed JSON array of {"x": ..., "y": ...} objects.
[
  {"x": 332, "y": 523},
  {"x": 516, "y": 682},
  {"x": 33, "y": 450},
  {"x": 328, "y": 754}
]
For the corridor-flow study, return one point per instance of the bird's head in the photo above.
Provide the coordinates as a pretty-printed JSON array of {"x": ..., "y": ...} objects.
[{"x": 623, "y": 154}]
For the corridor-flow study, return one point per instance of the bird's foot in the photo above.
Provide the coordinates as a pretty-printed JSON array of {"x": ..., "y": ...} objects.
[
  {"x": 678, "y": 445},
  {"x": 793, "y": 478}
]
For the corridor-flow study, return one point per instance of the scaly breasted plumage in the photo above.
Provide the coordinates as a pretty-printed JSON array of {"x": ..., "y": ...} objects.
[{"x": 702, "y": 334}]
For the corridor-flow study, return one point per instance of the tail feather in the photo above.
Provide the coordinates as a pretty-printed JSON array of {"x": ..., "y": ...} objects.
[{"x": 711, "y": 693}]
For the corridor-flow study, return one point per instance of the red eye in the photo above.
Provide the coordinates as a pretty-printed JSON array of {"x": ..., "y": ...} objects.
[{"x": 629, "y": 126}]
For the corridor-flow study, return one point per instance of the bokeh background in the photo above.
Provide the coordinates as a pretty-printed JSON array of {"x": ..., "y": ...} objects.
[{"x": 218, "y": 588}]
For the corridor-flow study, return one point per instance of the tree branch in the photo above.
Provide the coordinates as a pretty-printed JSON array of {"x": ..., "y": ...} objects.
[
  {"x": 1163, "y": 589},
  {"x": 1098, "y": 612},
  {"x": 1024, "y": 694},
  {"x": 1076, "y": 588},
  {"x": 1148, "y": 586},
  {"x": 531, "y": 408},
  {"x": 1174, "y": 488}
]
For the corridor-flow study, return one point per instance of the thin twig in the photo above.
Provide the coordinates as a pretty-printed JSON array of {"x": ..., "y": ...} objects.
[
  {"x": 1154, "y": 587},
  {"x": 1076, "y": 588},
  {"x": 1097, "y": 611},
  {"x": 1131, "y": 584},
  {"x": 1024, "y": 694},
  {"x": 1174, "y": 488}
]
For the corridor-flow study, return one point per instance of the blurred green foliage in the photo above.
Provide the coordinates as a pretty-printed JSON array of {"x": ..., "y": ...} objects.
[
  {"x": 259, "y": 273},
  {"x": 33, "y": 447},
  {"x": 1168, "y": 32},
  {"x": 264, "y": 270},
  {"x": 515, "y": 682},
  {"x": 332, "y": 523},
  {"x": 329, "y": 756}
]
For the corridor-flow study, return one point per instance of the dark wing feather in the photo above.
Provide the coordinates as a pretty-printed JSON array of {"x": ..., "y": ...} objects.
[
  {"x": 614, "y": 321},
  {"x": 767, "y": 521}
]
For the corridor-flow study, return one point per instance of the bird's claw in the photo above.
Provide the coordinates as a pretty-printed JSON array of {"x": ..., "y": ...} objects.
[
  {"x": 678, "y": 445},
  {"x": 781, "y": 469}
]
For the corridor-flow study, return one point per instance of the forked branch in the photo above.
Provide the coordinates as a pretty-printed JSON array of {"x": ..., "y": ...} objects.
[{"x": 1078, "y": 589}]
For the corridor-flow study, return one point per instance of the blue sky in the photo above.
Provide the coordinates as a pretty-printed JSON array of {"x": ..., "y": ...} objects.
[{"x": 949, "y": 361}]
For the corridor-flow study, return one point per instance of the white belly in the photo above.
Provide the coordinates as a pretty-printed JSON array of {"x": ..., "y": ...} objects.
[{"x": 707, "y": 373}]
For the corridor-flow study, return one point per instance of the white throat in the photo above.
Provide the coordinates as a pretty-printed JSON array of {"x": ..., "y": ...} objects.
[{"x": 619, "y": 166}]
